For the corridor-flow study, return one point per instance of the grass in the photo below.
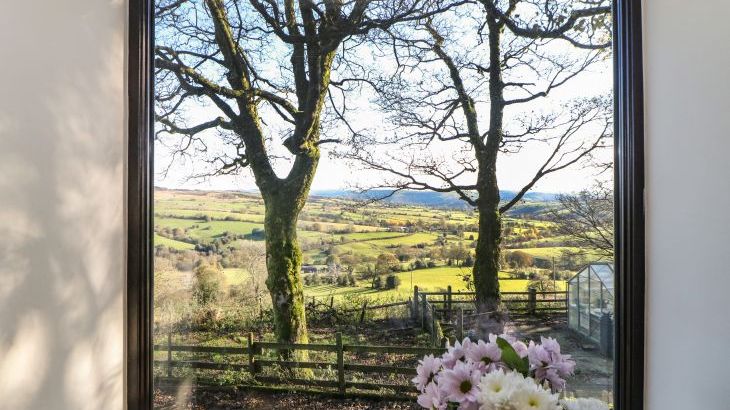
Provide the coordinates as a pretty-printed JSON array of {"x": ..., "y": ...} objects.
[
  {"x": 430, "y": 280},
  {"x": 368, "y": 239},
  {"x": 171, "y": 243},
  {"x": 207, "y": 231},
  {"x": 235, "y": 276}
]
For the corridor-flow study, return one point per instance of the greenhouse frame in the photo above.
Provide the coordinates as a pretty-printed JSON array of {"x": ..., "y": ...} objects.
[{"x": 590, "y": 304}]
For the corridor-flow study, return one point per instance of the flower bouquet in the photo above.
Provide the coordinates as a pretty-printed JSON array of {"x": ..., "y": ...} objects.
[{"x": 501, "y": 374}]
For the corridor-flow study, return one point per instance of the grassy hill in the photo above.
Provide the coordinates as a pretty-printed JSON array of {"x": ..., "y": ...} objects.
[{"x": 354, "y": 236}]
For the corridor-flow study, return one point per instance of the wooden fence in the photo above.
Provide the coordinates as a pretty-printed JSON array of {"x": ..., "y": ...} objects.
[
  {"x": 349, "y": 376},
  {"x": 361, "y": 311},
  {"x": 436, "y": 310}
]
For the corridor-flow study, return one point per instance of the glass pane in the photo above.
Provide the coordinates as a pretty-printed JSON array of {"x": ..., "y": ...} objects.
[{"x": 345, "y": 187}]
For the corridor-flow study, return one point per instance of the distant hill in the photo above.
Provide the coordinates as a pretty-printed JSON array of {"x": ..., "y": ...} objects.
[
  {"x": 427, "y": 198},
  {"x": 532, "y": 205}
]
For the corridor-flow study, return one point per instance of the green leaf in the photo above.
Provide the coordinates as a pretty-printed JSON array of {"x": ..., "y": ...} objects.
[{"x": 512, "y": 359}]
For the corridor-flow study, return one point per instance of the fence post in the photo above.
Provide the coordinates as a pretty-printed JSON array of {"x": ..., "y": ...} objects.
[
  {"x": 415, "y": 302},
  {"x": 433, "y": 328},
  {"x": 423, "y": 312},
  {"x": 332, "y": 301},
  {"x": 362, "y": 312},
  {"x": 532, "y": 301},
  {"x": 460, "y": 325},
  {"x": 169, "y": 354},
  {"x": 606, "y": 335},
  {"x": 449, "y": 301},
  {"x": 251, "y": 352},
  {"x": 340, "y": 365}
]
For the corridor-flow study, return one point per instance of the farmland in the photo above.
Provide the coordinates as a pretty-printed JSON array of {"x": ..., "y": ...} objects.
[
  {"x": 433, "y": 247},
  {"x": 210, "y": 267}
]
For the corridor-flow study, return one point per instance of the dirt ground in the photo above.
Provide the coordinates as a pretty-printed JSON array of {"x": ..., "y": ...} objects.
[
  {"x": 593, "y": 376},
  {"x": 218, "y": 400},
  {"x": 593, "y": 373}
]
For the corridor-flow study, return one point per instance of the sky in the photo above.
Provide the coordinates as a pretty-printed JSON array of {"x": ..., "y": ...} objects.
[{"x": 513, "y": 170}]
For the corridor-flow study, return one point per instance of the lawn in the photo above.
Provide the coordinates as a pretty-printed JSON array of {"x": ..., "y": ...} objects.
[
  {"x": 433, "y": 279},
  {"x": 206, "y": 231},
  {"x": 171, "y": 243}
]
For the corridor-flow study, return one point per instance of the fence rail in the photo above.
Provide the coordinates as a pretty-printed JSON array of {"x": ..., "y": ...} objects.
[
  {"x": 363, "y": 310},
  {"x": 437, "y": 310},
  {"x": 254, "y": 364}
]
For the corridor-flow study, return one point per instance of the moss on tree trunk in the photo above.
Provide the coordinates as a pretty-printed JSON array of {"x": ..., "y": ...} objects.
[
  {"x": 486, "y": 264},
  {"x": 284, "y": 262}
]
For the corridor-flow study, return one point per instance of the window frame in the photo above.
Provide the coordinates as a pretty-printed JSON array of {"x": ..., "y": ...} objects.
[{"x": 629, "y": 206}]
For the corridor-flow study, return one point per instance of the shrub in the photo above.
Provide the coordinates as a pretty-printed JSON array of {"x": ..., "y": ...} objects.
[
  {"x": 520, "y": 259},
  {"x": 392, "y": 282},
  {"x": 386, "y": 262},
  {"x": 207, "y": 283},
  {"x": 378, "y": 282},
  {"x": 342, "y": 280},
  {"x": 541, "y": 283}
]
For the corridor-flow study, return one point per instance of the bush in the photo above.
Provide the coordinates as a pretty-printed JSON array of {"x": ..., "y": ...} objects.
[
  {"x": 392, "y": 282},
  {"x": 378, "y": 282},
  {"x": 543, "y": 263},
  {"x": 342, "y": 280},
  {"x": 468, "y": 262},
  {"x": 541, "y": 283},
  {"x": 207, "y": 283},
  {"x": 431, "y": 264},
  {"x": 520, "y": 259},
  {"x": 351, "y": 279}
]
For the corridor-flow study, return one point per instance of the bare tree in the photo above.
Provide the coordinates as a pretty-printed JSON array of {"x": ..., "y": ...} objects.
[
  {"x": 587, "y": 218},
  {"x": 262, "y": 71},
  {"x": 253, "y": 261},
  {"x": 463, "y": 92}
]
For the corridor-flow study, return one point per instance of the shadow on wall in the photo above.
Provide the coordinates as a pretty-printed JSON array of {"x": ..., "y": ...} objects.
[{"x": 62, "y": 205}]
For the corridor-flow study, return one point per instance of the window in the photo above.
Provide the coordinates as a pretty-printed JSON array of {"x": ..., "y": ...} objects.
[{"x": 286, "y": 277}]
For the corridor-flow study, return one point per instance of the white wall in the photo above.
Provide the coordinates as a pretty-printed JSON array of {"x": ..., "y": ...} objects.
[
  {"x": 687, "y": 69},
  {"x": 62, "y": 204}
]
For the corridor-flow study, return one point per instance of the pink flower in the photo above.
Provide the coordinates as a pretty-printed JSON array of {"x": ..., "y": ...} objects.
[
  {"x": 461, "y": 384},
  {"x": 548, "y": 364},
  {"x": 432, "y": 398},
  {"x": 519, "y": 347},
  {"x": 455, "y": 353},
  {"x": 426, "y": 371},
  {"x": 550, "y": 344},
  {"x": 486, "y": 356}
]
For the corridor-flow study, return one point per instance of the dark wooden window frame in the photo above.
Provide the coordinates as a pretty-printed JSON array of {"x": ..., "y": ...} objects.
[{"x": 629, "y": 194}]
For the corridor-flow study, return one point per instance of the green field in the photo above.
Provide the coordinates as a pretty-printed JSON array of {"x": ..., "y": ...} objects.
[
  {"x": 356, "y": 235},
  {"x": 433, "y": 280},
  {"x": 171, "y": 243}
]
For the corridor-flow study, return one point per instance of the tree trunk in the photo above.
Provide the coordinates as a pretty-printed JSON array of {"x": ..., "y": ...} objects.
[
  {"x": 486, "y": 262},
  {"x": 284, "y": 262}
]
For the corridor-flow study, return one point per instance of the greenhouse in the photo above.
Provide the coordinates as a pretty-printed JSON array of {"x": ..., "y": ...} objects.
[{"x": 590, "y": 304}]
